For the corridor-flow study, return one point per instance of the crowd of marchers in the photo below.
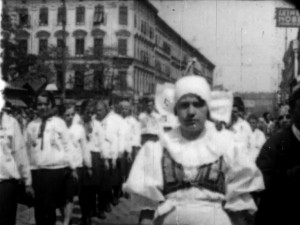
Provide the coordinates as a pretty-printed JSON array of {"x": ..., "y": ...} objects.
[{"x": 192, "y": 169}]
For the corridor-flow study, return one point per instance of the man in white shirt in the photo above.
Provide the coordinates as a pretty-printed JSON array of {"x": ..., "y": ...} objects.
[
  {"x": 14, "y": 167},
  {"x": 134, "y": 136},
  {"x": 52, "y": 166},
  {"x": 91, "y": 188},
  {"x": 82, "y": 159},
  {"x": 257, "y": 138},
  {"x": 112, "y": 147},
  {"x": 150, "y": 123},
  {"x": 240, "y": 128}
]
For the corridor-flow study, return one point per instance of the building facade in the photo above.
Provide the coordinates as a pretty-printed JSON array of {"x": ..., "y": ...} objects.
[
  {"x": 288, "y": 81},
  {"x": 119, "y": 45}
]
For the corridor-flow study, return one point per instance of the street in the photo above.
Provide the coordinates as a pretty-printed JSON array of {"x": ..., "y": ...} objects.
[{"x": 124, "y": 213}]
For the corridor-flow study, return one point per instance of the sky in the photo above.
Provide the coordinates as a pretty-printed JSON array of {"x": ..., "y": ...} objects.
[{"x": 239, "y": 37}]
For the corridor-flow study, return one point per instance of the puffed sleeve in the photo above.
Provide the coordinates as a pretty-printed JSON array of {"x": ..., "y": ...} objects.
[
  {"x": 242, "y": 178},
  {"x": 145, "y": 178}
]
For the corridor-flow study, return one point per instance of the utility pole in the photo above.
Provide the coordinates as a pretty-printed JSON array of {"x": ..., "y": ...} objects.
[{"x": 64, "y": 21}]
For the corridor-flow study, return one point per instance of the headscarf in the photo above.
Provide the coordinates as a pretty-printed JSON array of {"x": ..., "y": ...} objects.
[{"x": 192, "y": 84}]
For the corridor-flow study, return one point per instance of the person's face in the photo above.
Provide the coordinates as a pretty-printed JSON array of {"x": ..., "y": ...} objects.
[
  {"x": 192, "y": 113},
  {"x": 235, "y": 113},
  {"x": 101, "y": 111},
  {"x": 69, "y": 115},
  {"x": 285, "y": 121},
  {"x": 42, "y": 105},
  {"x": 125, "y": 110},
  {"x": 253, "y": 123},
  {"x": 296, "y": 114},
  {"x": 87, "y": 114},
  {"x": 77, "y": 109},
  {"x": 150, "y": 107}
]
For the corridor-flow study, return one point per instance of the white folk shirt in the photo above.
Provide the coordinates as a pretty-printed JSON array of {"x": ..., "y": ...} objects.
[
  {"x": 56, "y": 151},
  {"x": 257, "y": 140},
  {"x": 14, "y": 163},
  {"x": 77, "y": 119},
  {"x": 242, "y": 133},
  {"x": 93, "y": 138},
  {"x": 81, "y": 154},
  {"x": 113, "y": 136},
  {"x": 241, "y": 174},
  {"x": 134, "y": 133},
  {"x": 150, "y": 123}
]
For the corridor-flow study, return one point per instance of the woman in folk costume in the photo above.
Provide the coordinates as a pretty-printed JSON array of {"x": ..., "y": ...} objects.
[{"x": 194, "y": 173}]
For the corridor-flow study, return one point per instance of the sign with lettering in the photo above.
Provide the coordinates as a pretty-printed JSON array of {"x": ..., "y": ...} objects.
[{"x": 287, "y": 17}]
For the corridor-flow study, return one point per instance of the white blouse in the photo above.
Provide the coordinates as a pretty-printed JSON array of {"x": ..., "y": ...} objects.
[
  {"x": 54, "y": 149},
  {"x": 80, "y": 153},
  {"x": 14, "y": 163},
  {"x": 241, "y": 174}
]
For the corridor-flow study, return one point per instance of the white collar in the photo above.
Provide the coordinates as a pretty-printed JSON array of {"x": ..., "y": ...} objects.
[{"x": 296, "y": 132}]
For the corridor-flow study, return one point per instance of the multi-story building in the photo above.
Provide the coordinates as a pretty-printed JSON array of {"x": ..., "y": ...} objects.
[
  {"x": 124, "y": 45},
  {"x": 289, "y": 80}
]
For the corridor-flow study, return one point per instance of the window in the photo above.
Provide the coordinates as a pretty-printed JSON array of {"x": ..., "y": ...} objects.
[
  {"x": 61, "y": 16},
  {"x": 122, "y": 47},
  {"x": 158, "y": 65},
  {"x": 43, "y": 45},
  {"x": 135, "y": 21},
  {"x": 59, "y": 76},
  {"x": 166, "y": 48},
  {"x": 80, "y": 15},
  {"x": 79, "y": 81},
  {"x": 23, "y": 17},
  {"x": 79, "y": 48},
  {"x": 99, "y": 15},
  {"x": 168, "y": 70},
  {"x": 122, "y": 78},
  {"x": 60, "y": 42},
  {"x": 151, "y": 33},
  {"x": 147, "y": 28},
  {"x": 98, "y": 47},
  {"x": 23, "y": 46},
  {"x": 123, "y": 15},
  {"x": 44, "y": 16},
  {"x": 142, "y": 55},
  {"x": 98, "y": 80},
  {"x": 142, "y": 27}
]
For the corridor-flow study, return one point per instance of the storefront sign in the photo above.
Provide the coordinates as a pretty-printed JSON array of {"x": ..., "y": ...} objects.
[{"x": 287, "y": 17}]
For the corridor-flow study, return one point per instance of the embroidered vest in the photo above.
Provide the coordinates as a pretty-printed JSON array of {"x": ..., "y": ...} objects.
[{"x": 209, "y": 176}]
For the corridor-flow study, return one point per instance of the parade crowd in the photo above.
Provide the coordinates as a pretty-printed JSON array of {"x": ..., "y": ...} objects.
[{"x": 193, "y": 169}]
